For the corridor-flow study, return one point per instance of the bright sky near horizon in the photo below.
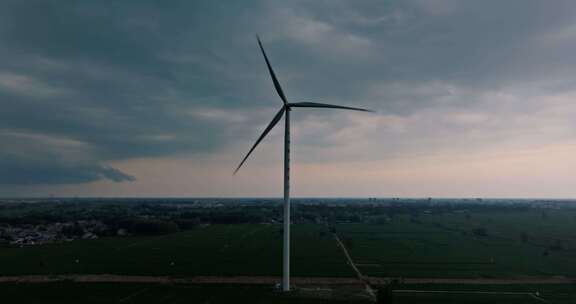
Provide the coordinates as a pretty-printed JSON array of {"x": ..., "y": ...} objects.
[{"x": 164, "y": 98}]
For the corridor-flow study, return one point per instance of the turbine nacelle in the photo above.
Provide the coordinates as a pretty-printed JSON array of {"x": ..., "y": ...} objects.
[{"x": 287, "y": 106}]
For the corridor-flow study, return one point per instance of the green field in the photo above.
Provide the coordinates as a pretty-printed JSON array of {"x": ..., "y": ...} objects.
[
  {"x": 212, "y": 250},
  {"x": 480, "y": 294},
  {"x": 100, "y": 293},
  {"x": 93, "y": 293},
  {"x": 444, "y": 245},
  {"x": 433, "y": 245},
  {"x": 514, "y": 245}
]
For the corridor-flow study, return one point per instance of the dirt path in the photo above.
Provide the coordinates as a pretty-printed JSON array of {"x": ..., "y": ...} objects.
[
  {"x": 481, "y": 281},
  {"x": 111, "y": 278},
  {"x": 134, "y": 294},
  {"x": 359, "y": 275}
]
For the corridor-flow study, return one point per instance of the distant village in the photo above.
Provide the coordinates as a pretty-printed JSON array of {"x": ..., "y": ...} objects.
[
  {"x": 29, "y": 234},
  {"x": 36, "y": 222}
]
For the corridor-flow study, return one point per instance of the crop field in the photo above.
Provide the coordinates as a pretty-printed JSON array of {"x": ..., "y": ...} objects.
[
  {"x": 99, "y": 293},
  {"x": 479, "y": 294},
  {"x": 471, "y": 298},
  {"x": 93, "y": 293},
  {"x": 213, "y": 250},
  {"x": 481, "y": 245},
  {"x": 431, "y": 245},
  {"x": 515, "y": 244}
]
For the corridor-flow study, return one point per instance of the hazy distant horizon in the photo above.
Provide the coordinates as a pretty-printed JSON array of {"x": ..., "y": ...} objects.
[{"x": 281, "y": 198}]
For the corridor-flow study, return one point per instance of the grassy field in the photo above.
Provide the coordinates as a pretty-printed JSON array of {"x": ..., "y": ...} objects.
[
  {"x": 213, "y": 250},
  {"x": 444, "y": 245},
  {"x": 429, "y": 245},
  {"x": 479, "y": 294},
  {"x": 94, "y": 293},
  {"x": 97, "y": 293},
  {"x": 432, "y": 245},
  {"x": 457, "y": 298}
]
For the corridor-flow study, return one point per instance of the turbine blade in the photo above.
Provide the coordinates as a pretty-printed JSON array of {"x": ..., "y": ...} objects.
[
  {"x": 272, "y": 74},
  {"x": 266, "y": 131},
  {"x": 324, "y": 105}
]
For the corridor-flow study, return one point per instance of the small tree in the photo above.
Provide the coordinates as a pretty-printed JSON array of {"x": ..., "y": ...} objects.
[
  {"x": 385, "y": 294},
  {"x": 72, "y": 230},
  {"x": 524, "y": 237},
  {"x": 557, "y": 245},
  {"x": 479, "y": 231},
  {"x": 348, "y": 243}
]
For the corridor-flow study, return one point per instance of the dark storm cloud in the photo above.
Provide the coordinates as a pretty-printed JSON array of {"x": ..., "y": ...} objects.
[
  {"x": 160, "y": 78},
  {"x": 407, "y": 44},
  {"x": 18, "y": 171},
  {"x": 128, "y": 79}
]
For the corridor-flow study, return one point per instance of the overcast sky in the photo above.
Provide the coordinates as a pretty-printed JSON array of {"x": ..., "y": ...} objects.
[{"x": 164, "y": 98}]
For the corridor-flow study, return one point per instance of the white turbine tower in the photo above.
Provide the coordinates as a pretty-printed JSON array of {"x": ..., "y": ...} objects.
[{"x": 286, "y": 108}]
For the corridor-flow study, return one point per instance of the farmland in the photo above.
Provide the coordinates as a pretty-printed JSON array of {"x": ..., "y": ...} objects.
[
  {"x": 446, "y": 246},
  {"x": 401, "y": 248},
  {"x": 94, "y": 293},
  {"x": 213, "y": 250},
  {"x": 450, "y": 253},
  {"x": 99, "y": 293}
]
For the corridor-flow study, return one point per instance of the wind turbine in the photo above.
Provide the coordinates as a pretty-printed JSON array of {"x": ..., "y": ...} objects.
[{"x": 285, "y": 109}]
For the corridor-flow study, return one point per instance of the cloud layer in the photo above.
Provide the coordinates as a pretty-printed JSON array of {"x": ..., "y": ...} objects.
[{"x": 89, "y": 88}]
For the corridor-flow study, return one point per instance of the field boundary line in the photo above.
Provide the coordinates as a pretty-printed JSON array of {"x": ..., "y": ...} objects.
[
  {"x": 359, "y": 274},
  {"x": 134, "y": 294}
]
